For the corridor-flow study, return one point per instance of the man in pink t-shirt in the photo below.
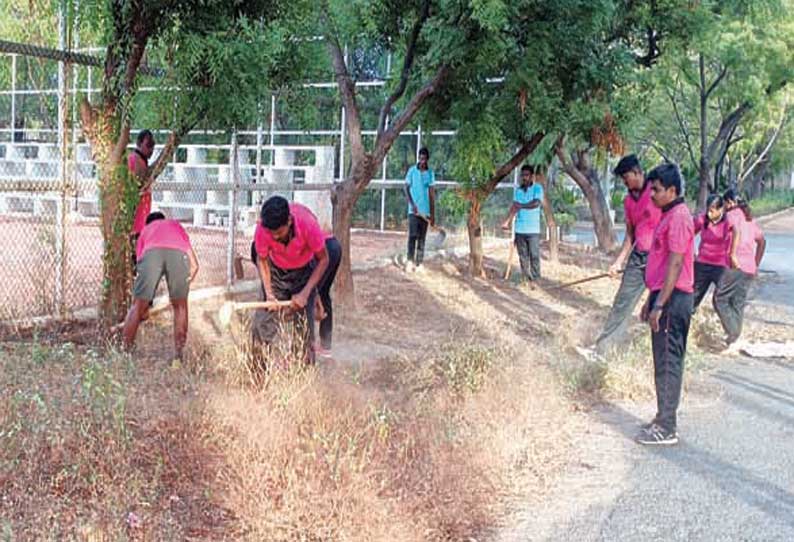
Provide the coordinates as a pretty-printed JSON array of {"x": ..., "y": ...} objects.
[
  {"x": 138, "y": 164},
  {"x": 291, "y": 259},
  {"x": 731, "y": 292},
  {"x": 641, "y": 217},
  {"x": 669, "y": 276},
  {"x": 163, "y": 249}
]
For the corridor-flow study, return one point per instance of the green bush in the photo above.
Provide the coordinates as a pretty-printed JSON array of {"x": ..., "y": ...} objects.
[{"x": 772, "y": 201}]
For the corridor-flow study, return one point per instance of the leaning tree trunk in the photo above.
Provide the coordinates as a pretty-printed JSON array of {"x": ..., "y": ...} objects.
[
  {"x": 586, "y": 177},
  {"x": 474, "y": 229}
]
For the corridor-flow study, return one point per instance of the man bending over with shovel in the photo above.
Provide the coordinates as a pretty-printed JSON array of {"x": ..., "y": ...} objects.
[
  {"x": 291, "y": 259},
  {"x": 163, "y": 248}
]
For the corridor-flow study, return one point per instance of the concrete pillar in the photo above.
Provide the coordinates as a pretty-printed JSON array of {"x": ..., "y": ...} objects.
[
  {"x": 14, "y": 163},
  {"x": 319, "y": 201}
]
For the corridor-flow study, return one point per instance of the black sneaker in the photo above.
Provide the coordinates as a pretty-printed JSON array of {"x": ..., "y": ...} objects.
[
  {"x": 647, "y": 426},
  {"x": 656, "y": 435}
]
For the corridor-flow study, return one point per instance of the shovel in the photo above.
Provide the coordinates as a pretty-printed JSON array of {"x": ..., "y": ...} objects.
[{"x": 231, "y": 307}]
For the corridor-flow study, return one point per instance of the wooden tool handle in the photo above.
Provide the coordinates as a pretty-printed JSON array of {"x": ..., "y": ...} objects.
[
  {"x": 268, "y": 305},
  {"x": 580, "y": 281}
]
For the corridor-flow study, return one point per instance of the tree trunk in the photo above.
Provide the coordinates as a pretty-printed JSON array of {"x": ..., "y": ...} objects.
[
  {"x": 551, "y": 222},
  {"x": 343, "y": 198},
  {"x": 118, "y": 199},
  {"x": 343, "y": 204},
  {"x": 586, "y": 177},
  {"x": 474, "y": 228},
  {"x": 705, "y": 183}
]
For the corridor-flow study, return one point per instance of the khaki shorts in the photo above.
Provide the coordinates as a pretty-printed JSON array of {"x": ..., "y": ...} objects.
[{"x": 157, "y": 262}]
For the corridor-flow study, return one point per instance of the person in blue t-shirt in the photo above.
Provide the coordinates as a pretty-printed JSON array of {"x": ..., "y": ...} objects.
[
  {"x": 421, "y": 196},
  {"x": 527, "y": 199}
]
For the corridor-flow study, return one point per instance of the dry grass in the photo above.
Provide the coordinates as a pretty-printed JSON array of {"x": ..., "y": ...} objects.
[
  {"x": 407, "y": 450},
  {"x": 94, "y": 446},
  {"x": 465, "y": 412},
  {"x": 98, "y": 446}
]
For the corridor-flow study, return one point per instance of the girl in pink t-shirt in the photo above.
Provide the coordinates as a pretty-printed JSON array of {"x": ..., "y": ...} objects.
[
  {"x": 731, "y": 294},
  {"x": 716, "y": 229}
]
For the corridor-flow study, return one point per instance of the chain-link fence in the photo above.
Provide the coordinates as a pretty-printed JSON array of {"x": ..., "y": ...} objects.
[{"x": 51, "y": 263}]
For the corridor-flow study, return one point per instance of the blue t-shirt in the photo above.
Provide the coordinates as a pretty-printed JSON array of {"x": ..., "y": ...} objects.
[
  {"x": 419, "y": 183},
  {"x": 528, "y": 220}
]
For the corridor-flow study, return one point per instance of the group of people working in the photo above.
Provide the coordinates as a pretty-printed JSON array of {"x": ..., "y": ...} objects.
[
  {"x": 297, "y": 261},
  {"x": 658, "y": 255}
]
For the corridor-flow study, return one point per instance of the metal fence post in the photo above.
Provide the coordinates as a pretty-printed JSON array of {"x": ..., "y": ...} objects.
[
  {"x": 13, "y": 97},
  {"x": 63, "y": 145},
  {"x": 234, "y": 164}
]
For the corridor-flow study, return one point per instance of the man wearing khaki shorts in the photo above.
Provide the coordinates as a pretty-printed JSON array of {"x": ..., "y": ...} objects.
[{"x": 163, "y": 249}]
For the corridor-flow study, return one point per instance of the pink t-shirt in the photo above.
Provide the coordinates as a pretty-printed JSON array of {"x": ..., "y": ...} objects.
[
  {"x": 145, "y": 203},
  {"x": 643, "y": 215},
  {"x": 715, "y": 240},
  {"x": 307, "y": 240},
  {"x": 745, "y": 252},
  {"x": 675, "y": 233},
  {"x": 162, "y": 234}
]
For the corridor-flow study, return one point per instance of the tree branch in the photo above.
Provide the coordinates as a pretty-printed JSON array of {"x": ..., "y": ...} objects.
[
  {"x": 173, "y": 141},
  {"x": 527, "y": 148},
  {"x": 408, "y": 62},
  {"x": 770, "y": 144},
  {"x": 716, "y": 81},
  {"x": 347, "y": 90},
  {"x": 385, "y": 140},
  {"x": 726, "y": 130},
  {"x": 682, "y": 126}
]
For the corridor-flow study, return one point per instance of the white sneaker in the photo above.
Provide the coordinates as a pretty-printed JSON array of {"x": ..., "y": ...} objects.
[{"x": 410, "y": 267}]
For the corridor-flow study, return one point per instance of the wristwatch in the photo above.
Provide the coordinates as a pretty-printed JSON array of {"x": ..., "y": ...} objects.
[{"x": 657, "y": 306}]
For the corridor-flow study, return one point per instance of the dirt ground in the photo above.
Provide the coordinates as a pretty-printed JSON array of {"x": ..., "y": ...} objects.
[{"x": 521, "y": 432}]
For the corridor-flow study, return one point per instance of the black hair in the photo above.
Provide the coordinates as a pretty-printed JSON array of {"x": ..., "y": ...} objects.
[
  {"x": 157, "y": 215},
  {"x": 730, "y": 195},
  {"x": 711, "y": 201},
  {"x": 142, "y": 135},
  {"x": 527, "y": 167},
  {"x": 424, "y": 151},
  {"x": 742, "y": 204},
  {"x": 668, "y": 175},
  {"x": 275, "y": 213},
  {"x": 626, "y": 164}
]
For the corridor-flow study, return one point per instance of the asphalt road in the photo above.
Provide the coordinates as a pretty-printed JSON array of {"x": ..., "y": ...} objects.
[{"x": 732, "y": 476}]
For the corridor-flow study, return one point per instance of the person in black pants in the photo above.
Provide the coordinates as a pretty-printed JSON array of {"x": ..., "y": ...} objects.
[
  {"x": 334, "y": 249},
  {"x": 420, "y": 193},
  {"x": 669, "y": 275},
  {"x": 641, "y": 217}
]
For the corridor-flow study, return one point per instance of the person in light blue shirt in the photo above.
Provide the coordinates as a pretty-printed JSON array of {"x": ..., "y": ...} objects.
[
  {"x": 527, "y": 199},
  {"x": 421, "y": 197}
]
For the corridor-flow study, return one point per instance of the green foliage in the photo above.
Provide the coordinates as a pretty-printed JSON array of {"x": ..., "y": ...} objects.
[
  {"x": 452, "y": 207},
  {"x": 772, "y": 201}
]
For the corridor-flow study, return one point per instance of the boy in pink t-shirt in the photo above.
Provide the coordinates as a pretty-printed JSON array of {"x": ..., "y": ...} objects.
[
  {"x": 668, "y": 310},
  {"x": 163, "y": 249},
  {"x": 641, "y": 217},
  {"x": 731, "y": 294},
  {"x": 291, "y": 258}
]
